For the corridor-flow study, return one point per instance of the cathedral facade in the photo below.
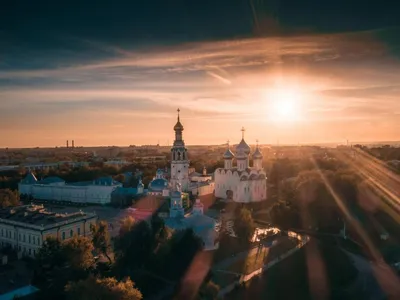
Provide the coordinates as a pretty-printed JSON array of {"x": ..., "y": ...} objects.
[{"x": 241, "y": 183}]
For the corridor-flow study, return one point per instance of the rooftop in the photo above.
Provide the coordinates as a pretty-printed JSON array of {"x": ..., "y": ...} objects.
[{"x": 37, "y": 215}]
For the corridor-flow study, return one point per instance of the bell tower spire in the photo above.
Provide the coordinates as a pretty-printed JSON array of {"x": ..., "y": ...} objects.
[{"x": 179, "y": 158}]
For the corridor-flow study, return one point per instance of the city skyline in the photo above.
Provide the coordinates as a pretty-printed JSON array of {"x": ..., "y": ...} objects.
[{"x": 118, "y": 81}]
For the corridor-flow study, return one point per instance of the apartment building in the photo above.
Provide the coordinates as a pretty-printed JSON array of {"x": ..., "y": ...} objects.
[{"x": 25, "y": 228}]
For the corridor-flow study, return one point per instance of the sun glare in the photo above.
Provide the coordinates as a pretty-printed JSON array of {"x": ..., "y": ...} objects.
[{"x": 284, "y": 104}]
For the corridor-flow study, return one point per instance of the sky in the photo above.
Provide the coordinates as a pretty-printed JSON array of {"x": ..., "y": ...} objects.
[{"x": 115, "y": 72}]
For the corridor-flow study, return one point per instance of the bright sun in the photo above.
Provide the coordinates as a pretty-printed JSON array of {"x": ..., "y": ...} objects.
[{"x": 284, "y": 104}]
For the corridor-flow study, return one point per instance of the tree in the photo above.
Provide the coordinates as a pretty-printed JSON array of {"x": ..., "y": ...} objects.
[
  {"x": 244, "y": 225},
  {"x": 59, "y": 262},
  {"x": 8, "y": 198},
  {"x": 120, "y": 178},
  {"x": 101, "y": 238},
  {"x": 285, "y": 216},
  {"x": 126, "y": 225},
  {"x": 79, "y": 252},
  {"x": 133, "y": 246},
  {"x": 176, "y": 255},
  {"x": 208, "y": 291},
  {"x": 51, "y": 253},
  {"x": 102, "y": 288}
]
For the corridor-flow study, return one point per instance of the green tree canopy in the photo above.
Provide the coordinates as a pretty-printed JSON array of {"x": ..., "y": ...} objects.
[
  {"x": 102, "y": 289},
  {"x": 244, "y": 225},
  {"x": 101, "y": 238},
  {"x": 79, "y": 252},
  {"x": 8, "y": 198}
]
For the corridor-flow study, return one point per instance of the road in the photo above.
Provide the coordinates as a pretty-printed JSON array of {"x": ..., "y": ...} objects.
[{"x": 384, "y": 180}]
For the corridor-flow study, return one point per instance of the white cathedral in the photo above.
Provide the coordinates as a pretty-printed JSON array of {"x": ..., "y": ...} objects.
[{"x": 241, "y": 183}]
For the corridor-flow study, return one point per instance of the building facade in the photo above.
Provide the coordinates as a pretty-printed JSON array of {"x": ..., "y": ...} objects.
[
  {"x": 55, "y": 189},
  {"x": 241, "y": 183},
  {"x": 25, "y": 228}
]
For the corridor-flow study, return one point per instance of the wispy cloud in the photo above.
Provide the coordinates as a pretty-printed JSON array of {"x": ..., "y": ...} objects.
[{"x": 342, "y": 77}]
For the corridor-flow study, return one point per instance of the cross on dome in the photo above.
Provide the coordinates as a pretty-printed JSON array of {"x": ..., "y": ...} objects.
[
  {"x": 242, "y": 130},
  {"x": 178, "y": 110}
]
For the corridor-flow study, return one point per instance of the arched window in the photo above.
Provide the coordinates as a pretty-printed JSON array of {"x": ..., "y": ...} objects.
[
  {"x": 63, "y": 235},
  {"x": 71, "y": 233},
  {"x": 179, "y": 155}
]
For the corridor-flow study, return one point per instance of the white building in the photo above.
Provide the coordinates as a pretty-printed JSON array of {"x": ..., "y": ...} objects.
[
  {"x": 241, "y": 183},
  {"x": 55, "y": 189},
  {"x": 179, "y": 159},
  {"x": 25, "y": 228}
]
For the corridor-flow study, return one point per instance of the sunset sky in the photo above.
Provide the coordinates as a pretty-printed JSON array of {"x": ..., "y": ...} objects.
[{"x": 114, "y": 74}]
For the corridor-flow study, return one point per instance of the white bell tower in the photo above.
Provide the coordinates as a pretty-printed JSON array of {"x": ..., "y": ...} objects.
[{"x": 179, "y": 159}]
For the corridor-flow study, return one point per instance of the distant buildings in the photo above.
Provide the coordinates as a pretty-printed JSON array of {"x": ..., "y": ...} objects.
[
  {"x": 25, "y": 228},
  {"x": 116, "y": 162},
  {"x": 56, "y": 189}
]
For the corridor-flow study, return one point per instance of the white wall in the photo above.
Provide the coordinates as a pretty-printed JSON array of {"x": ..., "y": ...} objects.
[
  {"x": 100, "y": 194},
  {"x": 204, "y": 190},
  {"x": 244, "y": 191}
]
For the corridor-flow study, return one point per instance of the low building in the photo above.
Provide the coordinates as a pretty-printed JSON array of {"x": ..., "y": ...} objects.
[
  {"x": 202, "y": 188},
  {"x": 25, "y": 228},
  {"x": 56, "y": 189},
  {"x": 203, "y": 226},
  {"x": 200, "y": 177},
  {"x": 116, "y": 162}
]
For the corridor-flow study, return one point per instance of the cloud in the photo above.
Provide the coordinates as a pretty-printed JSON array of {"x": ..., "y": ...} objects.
[
  {"x": 221, "y": 54},
  {"x": 340, "y": 78}
]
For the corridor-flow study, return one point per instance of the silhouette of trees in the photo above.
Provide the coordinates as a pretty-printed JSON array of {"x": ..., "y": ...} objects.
[
  {"x": 59, "y": 262},
  {"x": 103, "y": 289},
  {"x": 208, "y": 291},
  {"x": 101, "y": 238},
  {"x": 8, "y": 198},
  {"x": 244, "y": 225}
]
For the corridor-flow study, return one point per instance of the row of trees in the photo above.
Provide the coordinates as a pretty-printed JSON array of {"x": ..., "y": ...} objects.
[
  {"x": 145, "y": 259},
  {"x": 318, "y": 199}
]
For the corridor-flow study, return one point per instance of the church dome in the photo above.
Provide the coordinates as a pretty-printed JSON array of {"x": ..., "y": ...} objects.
[
  {"x": 241, "y": 154},
  {"x": 228, "y": 154},
  {"x": 158, "y": 185},
  {"x": 178, "y": 126},
  {"x": 242, "y": 146},
  {"x": 257, "y": 154}
]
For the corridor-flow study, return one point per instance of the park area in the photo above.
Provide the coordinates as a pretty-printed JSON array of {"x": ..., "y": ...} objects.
[{"x": 252, "y": 259}]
